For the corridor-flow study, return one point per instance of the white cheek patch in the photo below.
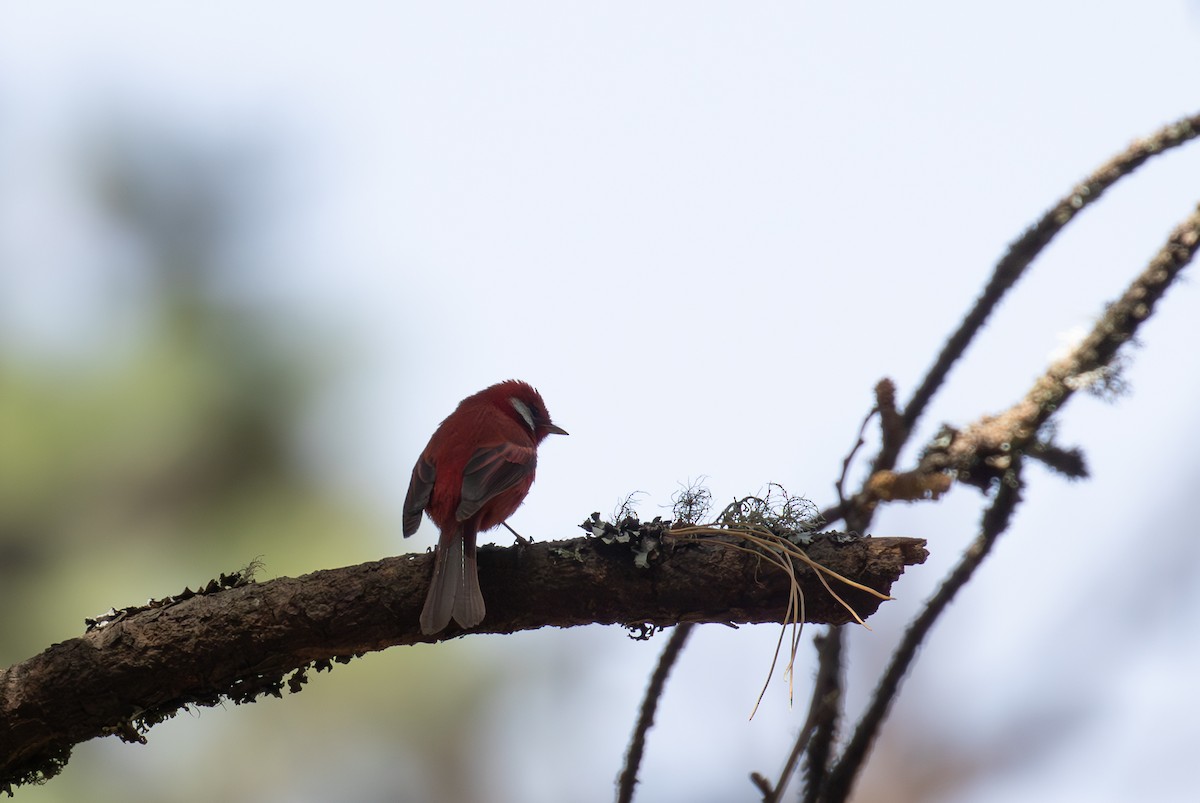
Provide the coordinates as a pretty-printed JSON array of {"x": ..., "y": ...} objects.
[{"x": 523, "y": 408}]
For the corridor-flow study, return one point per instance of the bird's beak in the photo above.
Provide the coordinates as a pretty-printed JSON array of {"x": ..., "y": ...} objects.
[{"x": 555, "y": 429}]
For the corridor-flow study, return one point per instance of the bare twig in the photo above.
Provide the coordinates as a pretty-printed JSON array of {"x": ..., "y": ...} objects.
[
  {"x": 891, "y": 422},
  {"x": 995, "y": 521},
  {"x": 826, "y": 712},
  {"x": 654, "y": 691},
  {"x": 840, "y": 485}
]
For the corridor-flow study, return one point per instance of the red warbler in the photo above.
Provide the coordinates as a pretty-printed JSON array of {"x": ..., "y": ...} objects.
[{"x": 474, "y": 474}]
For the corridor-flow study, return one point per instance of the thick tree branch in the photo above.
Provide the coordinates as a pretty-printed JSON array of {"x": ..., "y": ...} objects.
[{"x": 242, "y": 642}]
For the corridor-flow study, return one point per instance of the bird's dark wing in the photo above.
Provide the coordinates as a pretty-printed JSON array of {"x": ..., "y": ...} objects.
[
  {"x": 492, "y": 471},
  {"x": 419, "y": 489}
]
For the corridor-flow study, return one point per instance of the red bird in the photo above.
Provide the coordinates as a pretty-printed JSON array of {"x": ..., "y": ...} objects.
[{"x": 473, "y": 475}]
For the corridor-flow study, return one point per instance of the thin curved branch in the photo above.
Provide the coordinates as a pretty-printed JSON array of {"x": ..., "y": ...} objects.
[
  {"x": 1008, "y": 270},
  {"x": 981, "y": 452},
  {"x": 826, "y": 714},
  {"x": 996, "y": 519},
  {"x": 658, "y": 681},
  {"x": 1026, "y": 248},
  {"x": 1097, "y": 351}
]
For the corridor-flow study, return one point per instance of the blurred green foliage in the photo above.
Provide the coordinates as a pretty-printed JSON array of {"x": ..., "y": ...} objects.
[
  {"x": 167, "y": 453},
  {"x": 164, "y": 451}
]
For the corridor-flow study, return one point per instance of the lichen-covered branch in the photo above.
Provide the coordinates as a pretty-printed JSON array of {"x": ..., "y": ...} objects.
[
  {"x": 258, "y": 638},
  {"x": 1027, "y": 247},
  {"x": 983, "y": 451}
]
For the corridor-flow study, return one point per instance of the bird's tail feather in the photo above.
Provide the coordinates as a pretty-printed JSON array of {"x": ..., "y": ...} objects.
[{"x": 454, "y": 591}]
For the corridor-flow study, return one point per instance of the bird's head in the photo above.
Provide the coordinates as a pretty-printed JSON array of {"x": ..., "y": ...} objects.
[{"x": 521, "y": 400}]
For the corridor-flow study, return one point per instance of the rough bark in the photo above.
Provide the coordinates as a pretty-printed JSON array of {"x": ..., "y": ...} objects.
[{"x": 238, "y": 643}]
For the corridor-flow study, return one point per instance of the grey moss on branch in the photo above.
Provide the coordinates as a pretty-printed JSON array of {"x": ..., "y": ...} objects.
[{"x": 238, "y": 640}]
